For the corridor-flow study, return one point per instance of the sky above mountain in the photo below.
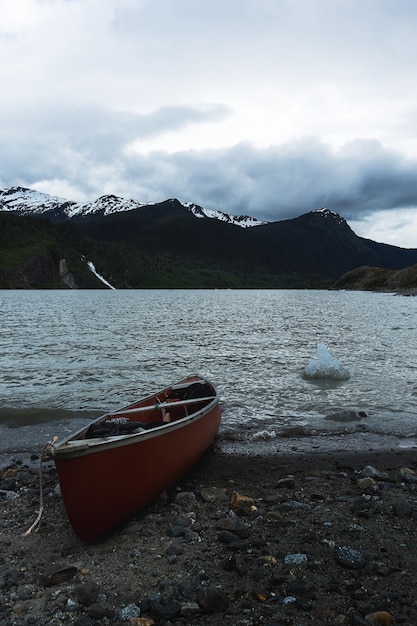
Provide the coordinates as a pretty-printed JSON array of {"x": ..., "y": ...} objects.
[{"x": 270, "y": 108}]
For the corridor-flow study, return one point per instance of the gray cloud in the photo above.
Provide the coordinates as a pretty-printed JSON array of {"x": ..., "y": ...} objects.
[
  {"x": 283, "y": 181},
  {"x": 90, "y": 89},
  {"x": 87, "y": 150},
  {"x": 88, "y": 153}
]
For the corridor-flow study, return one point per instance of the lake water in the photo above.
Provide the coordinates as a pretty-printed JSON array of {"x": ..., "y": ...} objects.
[{"x": 68, "y": 356}]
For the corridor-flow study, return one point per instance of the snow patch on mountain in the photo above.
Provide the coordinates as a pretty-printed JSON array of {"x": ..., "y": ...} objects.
[
  {"x": 28, "y": 201},
  {"x": 243, "y": 221},
  {"x": 25, "y": 201},
  {"x": 327, "y": 213},
  {"x": 105, "y": 204}
]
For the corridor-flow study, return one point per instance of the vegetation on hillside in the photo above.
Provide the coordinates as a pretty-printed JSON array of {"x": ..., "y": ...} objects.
[{"x": 164, "y": 246}]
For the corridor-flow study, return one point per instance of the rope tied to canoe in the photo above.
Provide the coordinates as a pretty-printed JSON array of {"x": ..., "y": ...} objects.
[{"x": 46, "y": 453}]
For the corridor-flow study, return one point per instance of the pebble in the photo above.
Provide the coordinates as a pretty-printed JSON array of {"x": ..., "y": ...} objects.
[
  {"x": 189, "y": 609},
  {"x": 129, "y": 612},
  {"x": 409, "y": 475},
  {"x": 289, "y": 600},
  {"x": 86, "y": 593},
  {"x": 293, "y": 505},
  {"x": 213, "y": 600},
  {"x": 295, "y": 559},
  {"x": 57, "y": 574},
  {"x": 185, "y": 499},
  {"x": 242, "y": 505},
  {"x": 350, "y": 558},
  {"x": 372, "y": 472},
  {"x": 403, "y": 509},
  {"x": 366, "y": 483},
  {"x": 11, "y": 495},
  {"x": 380, "y": 618}
]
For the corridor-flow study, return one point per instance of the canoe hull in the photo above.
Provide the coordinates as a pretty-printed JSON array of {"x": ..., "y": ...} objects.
[{"x": 104, "y": 486}]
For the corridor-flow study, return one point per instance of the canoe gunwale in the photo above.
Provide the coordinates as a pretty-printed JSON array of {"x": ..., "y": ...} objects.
[{"x": 73, "y": 446}]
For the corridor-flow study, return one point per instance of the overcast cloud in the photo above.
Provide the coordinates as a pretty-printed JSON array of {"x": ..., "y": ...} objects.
[{"x": 263, "y": 107}]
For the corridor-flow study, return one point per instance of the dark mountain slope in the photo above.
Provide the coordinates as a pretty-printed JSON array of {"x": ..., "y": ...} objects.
[
  {"x": 171, "y": 245},
  {"x": 378, "y": 279},
  {"x": 31, "y": 251},
  {"x": 313, "y": 249}
]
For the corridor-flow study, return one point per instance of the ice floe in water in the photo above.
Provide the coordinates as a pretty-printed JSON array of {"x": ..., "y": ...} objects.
[{"x": 323, "y": 365}]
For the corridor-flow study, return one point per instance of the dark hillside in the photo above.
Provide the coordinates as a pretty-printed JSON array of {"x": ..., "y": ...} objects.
[
  {"x": 31, "y": 250},
  {"x": 165, "y": 245},
  {"x": 311, "y": 250}
]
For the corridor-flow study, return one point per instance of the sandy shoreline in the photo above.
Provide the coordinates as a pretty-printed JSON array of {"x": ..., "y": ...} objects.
[{"x": 323, "y": 538}]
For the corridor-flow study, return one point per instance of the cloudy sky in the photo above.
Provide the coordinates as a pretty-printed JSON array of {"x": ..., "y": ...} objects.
[{"x": 270, "y": 108}]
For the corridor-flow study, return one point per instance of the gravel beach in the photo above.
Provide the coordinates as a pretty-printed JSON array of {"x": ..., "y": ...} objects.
[{"x": 298, "y": 540}]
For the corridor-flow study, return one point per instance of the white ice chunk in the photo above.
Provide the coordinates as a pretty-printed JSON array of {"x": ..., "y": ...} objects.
[{"x": 323, "y": 365}]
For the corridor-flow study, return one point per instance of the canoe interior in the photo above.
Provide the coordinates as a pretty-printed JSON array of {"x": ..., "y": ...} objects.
[{"x": 174, "y": 403}]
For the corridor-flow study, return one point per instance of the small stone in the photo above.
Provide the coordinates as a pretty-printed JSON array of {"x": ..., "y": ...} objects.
[
  {"x": 129, "y": 612},
  {"x": 408, "y": 475},
  {"x": 57, "y": 574},
  {"x": 225, "y": 536},
  {"x": 9, "y": 484},
  {"x": 295, "y": 559},
  {"x": 189, "y": 610},
  {"x": 289, "y": 600},
  {"x": 235, "y": 525},
  {"x": 10, "y": 495},
  {"x": 213, "y": 600},
  {"x": 242, "y": 505},
  {"x": 20, "y": 608},
  {"x": 366, "y": 483},
  {"x": 185, "y": 499},
  {"x": 10, "y": 473},
  {"x": 260, "y": 595},
  {"x": 403, "y": 509},
  {"x": 275, "y": 516},
  {"x": 372, "y": 472},
  {"x": 286, "y": 483},
  {"x": 380, "y": 618},
  {"x": 293, "y": 505},
  {"x": 355, "y": 528},
  {"x": 176, "y": 531},
  {"x": 350, "y": 558},
  {"x": 86, "y": 593}
]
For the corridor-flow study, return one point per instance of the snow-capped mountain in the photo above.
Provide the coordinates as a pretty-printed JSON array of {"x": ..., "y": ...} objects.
[
  {"x": 239, "y": 220},
  {"x": 28, "y": 201},
  {"x": 327, "y": 213},
  {"x": 24, "y": 201}
]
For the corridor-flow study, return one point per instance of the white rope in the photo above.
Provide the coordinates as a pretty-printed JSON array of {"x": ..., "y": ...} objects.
[{"x": 46, "y": 452}]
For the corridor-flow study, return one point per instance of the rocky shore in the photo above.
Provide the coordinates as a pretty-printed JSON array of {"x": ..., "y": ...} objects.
[{"x": 295, "y": 540}]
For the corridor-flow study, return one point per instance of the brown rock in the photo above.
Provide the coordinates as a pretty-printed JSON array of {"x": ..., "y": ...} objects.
[
  {"x": 57, "y": 574},
  {"x": 380, "y": 618},
  {"x": 86, "y": 593},
  {"x": 242, "y": 505}
]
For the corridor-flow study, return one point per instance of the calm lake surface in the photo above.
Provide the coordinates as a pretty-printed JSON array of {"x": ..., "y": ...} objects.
[{"x": 68, "y": 356}]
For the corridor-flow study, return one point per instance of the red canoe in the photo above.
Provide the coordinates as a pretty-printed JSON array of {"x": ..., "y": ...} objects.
[{"x": 123, "y": 460}]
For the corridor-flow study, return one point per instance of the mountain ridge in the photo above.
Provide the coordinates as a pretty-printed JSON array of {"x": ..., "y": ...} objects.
[
  {"x": 24, "y": 201},
  {"x": 174, "y": 245}
]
